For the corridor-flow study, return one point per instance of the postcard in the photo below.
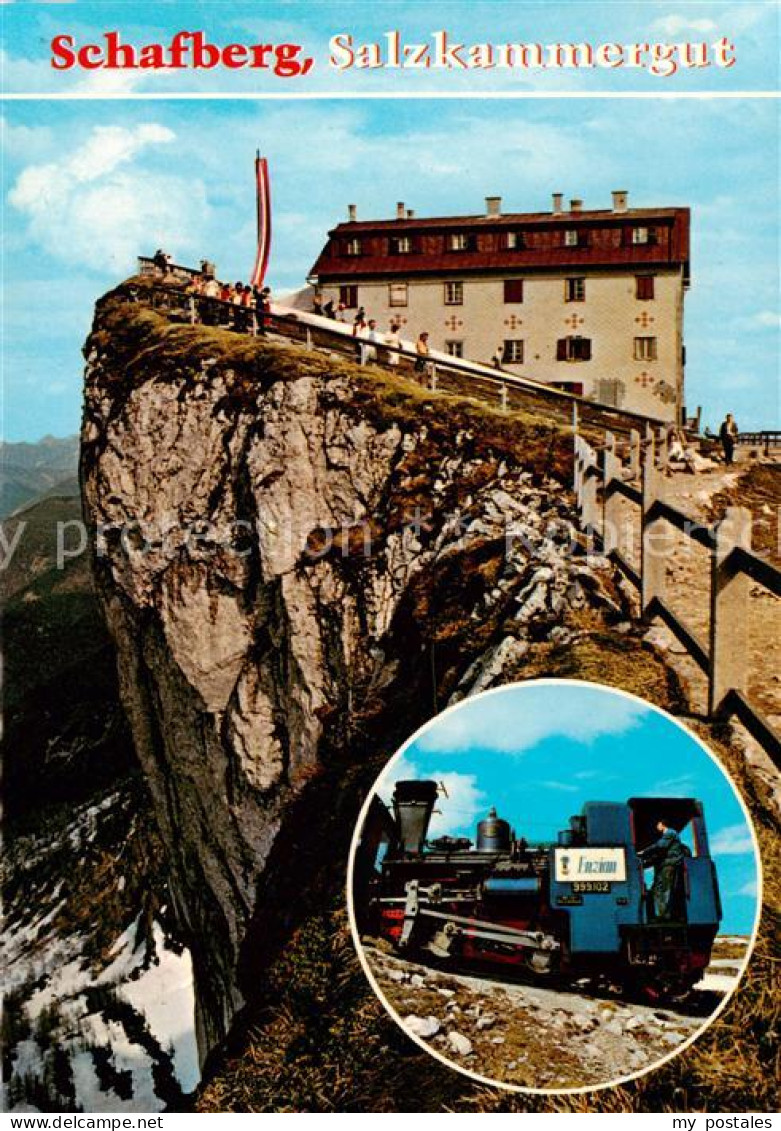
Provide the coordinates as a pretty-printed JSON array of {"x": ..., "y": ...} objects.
[{"x": 391, "y": 572}]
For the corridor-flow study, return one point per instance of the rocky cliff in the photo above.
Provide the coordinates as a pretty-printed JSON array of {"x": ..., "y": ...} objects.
[{"x": 299, "y": 561}]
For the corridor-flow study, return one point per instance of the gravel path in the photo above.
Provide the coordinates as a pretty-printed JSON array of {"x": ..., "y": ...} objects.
[{"x": 532, "y": 1036}]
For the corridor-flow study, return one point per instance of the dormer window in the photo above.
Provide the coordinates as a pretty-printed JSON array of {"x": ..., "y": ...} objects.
[
  {"x": 353, "y": 247},
  {"x": 400, "y": 245},
  {"x": 460, "y": 241},
  {"x": 514, "y": 240},
  {"x": 641, "y": 235},
  {"x": 571, "y": 237}
]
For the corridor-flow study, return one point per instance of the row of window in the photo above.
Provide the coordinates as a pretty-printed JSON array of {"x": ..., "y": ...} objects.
[
  {"x": 509, "y": 240},
  {"x": 573, "y": 348},
  {"x": 453, "y": 292}
]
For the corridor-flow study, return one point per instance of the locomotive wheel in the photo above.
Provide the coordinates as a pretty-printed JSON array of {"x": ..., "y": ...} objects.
[
  {"x": 540, "y": 962},
  {"x": 656, "y": 989}
]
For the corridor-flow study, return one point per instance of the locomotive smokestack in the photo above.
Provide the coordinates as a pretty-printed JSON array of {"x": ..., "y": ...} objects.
[{"x": 413, "y": 802}]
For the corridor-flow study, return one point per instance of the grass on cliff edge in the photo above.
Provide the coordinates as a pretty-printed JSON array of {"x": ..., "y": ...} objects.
[{"x": 140, "y": 343}]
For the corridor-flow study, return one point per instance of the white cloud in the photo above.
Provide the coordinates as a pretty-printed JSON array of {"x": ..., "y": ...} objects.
[
  {"x": 732, "y": 840},
  {"x": 20, "y": 74},
  {"x": 98, "y": 205},
  {"x": 518, "y": 718},
  {"x": 685, "y": 785},
  {"x": 560, "y": 786},
  {"x": 765, "y": 319},
  {"x": 25, "y": 143},
  {"x": 677, "y": 25}
]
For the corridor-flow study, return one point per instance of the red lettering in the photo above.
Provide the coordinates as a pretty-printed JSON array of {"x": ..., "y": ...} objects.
[
  {"x": 119, "y": 56},
  {"x": 61, "y": 49},
  {"x": 88, "y": 52},
  {"x": 259, "y": 51},
  {"x": 234, "y": 56},
  {"x": 205, "y": 55},
  {"x": 152, "y": 57}
]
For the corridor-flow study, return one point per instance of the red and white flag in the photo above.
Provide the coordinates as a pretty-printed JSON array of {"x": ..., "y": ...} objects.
[{"x": 264, "y": 221}]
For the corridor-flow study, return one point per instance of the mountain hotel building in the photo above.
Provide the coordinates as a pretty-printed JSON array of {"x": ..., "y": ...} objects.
[{"x": 588, "y": 301}]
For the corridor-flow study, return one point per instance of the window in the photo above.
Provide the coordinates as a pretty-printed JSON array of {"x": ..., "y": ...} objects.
[
  {"x": 400, "y": 245},
  {"x": 349, "y": 297},
  {"x": 573, "y": 349},
  {"x": 454, "y": 294},
  {"x": 645, "y": 349},
  {"x": 574, "y": 290},
  {"x": 461, "y": 241},
  {"x": 644, "y": 286},
  {"x": 609, "y": 392},
  {"x": 353, "y": 247},
  {"x": 512, "y": 352},
  {"x": 397, "y": 294},
  {"x": 513, "y": 290},
  {"x": 455, "y": 349},
  {"x": 641, "y": 235},
  {"x": 575, "y": 237},
  {"x": 513, "y": 240}
]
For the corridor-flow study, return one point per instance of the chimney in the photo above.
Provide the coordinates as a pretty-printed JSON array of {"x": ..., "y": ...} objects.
[
  {"x": 558, "y": 200},
  {"x": 410, "y": 213},
  {"x": 413, "y": 804},
  {"x": 493, "y": 206},
  {"x": 400, "y": 210},
  {"x": 620, "y": 200},
  {"x": 352, "y": 213},
  {"x": 575, "y": 205}
]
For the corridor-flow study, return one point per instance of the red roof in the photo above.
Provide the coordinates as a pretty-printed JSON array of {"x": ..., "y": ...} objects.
[{"x": 606, "y": 235}]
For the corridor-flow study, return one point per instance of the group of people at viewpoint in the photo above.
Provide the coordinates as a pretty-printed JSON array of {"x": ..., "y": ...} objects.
[
  {"x": 252, "y": 304},
  {"x": 370, "y": 338}
]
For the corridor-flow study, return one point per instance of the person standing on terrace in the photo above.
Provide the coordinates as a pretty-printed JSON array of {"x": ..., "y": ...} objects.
[
  {"x": 423, "y": 350},
  {"x": 262, "y": 308}
]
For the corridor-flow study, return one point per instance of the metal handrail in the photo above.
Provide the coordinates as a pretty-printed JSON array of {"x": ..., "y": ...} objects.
[
  {"x": 148, "y": 268},
  {"x": 500, "y": 381}
]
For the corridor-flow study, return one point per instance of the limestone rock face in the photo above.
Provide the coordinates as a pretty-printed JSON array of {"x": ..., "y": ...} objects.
[{"x": 292, "y": 555}]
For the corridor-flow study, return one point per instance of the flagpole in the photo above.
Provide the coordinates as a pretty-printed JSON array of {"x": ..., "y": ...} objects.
[{"x": 263, "y": 191}]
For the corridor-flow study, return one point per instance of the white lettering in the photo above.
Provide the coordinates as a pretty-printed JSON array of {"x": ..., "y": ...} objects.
[
  {"x": 8, "y": 549},
  {"x": 342, "y": 55}
]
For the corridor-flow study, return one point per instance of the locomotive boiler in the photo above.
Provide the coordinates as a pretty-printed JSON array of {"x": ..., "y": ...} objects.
[{"x": 580, "y": 906}]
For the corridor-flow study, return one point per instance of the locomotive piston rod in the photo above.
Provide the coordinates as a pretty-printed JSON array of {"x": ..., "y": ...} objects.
[{"x": 416, "y": 907}]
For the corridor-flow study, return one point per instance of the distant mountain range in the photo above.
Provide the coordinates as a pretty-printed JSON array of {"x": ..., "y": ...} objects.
[{"x": 33, "y": 471}]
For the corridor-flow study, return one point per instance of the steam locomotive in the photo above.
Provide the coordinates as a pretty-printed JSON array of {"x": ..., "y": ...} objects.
[{"x": 579, "y": 907}]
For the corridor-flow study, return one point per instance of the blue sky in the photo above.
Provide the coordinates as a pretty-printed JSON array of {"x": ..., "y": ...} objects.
[
  {"x": 87, "y": 184},
  {"x": 538, "y": 751}
]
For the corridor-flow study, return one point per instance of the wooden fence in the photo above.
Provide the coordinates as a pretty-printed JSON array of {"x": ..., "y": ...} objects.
[
  {"x": 149, "y": 269},
  {"x": 602, "y": 478},
  {"x": 768, "y": 440}
]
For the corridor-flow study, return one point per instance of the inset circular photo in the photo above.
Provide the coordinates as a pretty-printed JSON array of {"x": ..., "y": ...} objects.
[{"x": 554, "y": 886}]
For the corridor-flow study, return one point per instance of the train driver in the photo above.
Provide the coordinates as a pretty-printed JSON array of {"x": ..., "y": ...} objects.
[{"x": 666, "y": 856}]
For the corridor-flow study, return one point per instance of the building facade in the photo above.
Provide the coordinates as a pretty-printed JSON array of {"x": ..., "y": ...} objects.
[{"x": 588, "y": 301}]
